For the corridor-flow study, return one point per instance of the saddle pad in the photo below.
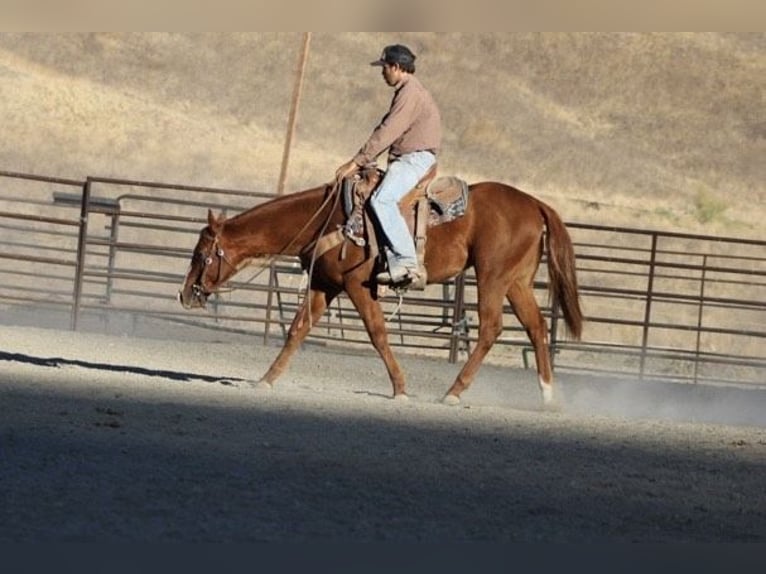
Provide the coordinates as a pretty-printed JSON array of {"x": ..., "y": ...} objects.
[{"x": 449, "y": 195}]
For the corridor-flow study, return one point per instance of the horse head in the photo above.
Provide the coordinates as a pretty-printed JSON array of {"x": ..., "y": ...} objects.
[{"x": 210, "y": 265}]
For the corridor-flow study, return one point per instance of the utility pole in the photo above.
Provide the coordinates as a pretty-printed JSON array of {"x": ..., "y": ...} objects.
[{"x": 293, "y": 112}]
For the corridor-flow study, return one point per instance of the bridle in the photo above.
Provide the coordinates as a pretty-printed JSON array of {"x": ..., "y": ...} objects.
[
  {"x": 220, "y": 255},
  {"x": 217, "y": 251}
]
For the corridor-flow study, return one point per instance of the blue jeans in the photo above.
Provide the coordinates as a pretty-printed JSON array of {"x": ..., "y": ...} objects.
[{"x": 401, "y": 176}]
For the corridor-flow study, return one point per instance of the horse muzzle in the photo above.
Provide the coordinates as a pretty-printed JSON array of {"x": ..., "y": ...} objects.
[{"x": 193, "y": 297}]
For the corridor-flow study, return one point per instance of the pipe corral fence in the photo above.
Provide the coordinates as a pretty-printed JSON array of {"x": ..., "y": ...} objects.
[{"x": 110, "y": 254}]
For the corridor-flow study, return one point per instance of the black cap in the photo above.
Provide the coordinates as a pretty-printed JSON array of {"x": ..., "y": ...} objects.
[{"x": 395, "y": 54}]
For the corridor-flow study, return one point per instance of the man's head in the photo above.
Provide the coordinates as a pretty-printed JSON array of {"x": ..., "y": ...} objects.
[{"x": 397, "y": 55}]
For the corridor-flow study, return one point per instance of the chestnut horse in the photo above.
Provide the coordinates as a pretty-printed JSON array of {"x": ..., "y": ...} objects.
[{"x": 501, "y": 236}]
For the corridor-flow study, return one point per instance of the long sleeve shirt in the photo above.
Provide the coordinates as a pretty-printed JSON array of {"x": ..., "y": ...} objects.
[{"x": 413, "y": 123}]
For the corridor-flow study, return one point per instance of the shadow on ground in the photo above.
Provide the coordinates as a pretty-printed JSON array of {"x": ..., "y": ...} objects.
[{"x": 118, "y": 468}]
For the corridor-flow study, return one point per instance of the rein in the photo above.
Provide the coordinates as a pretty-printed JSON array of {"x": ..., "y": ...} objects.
[
  {"x": 315, "y": 247},
  {"x": 336, "y": 193},
  {"x": 222, "y": 256}
]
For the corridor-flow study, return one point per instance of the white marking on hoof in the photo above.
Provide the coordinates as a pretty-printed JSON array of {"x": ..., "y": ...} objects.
[
  {"x": 402, "y": 398},
  {"x": 547, "y": 390},
  {"x": 451, "y": 400},
  {"x": 263, "y": 386}
]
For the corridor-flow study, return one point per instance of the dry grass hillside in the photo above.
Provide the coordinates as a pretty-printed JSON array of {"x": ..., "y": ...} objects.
[{"x": 663, "y": 131}]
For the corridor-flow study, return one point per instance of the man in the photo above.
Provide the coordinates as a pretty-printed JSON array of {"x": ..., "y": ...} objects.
[{"x": 411, "y": 132}]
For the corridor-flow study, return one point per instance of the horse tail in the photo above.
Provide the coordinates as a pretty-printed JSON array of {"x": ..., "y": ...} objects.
[{"x": 562, "y": 284}]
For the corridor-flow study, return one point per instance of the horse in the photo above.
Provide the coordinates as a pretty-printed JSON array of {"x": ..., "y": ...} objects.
[{"x": 502, "y": 235}]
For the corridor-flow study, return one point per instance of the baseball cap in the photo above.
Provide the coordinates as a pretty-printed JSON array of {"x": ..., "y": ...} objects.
[{"x": 395, "y": 54}]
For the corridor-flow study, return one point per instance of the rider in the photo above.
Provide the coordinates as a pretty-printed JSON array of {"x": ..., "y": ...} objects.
[{"x": 411, "y": 132}]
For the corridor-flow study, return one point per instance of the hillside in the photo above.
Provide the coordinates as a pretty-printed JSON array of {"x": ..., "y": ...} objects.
[{"x": 662, "y": 131}]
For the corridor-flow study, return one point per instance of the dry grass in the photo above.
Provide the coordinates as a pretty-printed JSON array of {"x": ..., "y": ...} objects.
[{"x": 658, "y": 131}]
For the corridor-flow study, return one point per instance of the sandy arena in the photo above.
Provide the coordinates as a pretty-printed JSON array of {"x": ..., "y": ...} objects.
[{"x": 109, "y": 438}]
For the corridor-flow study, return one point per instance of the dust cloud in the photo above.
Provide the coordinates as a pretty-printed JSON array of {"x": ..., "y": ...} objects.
[{"x": 668, "y": 401}]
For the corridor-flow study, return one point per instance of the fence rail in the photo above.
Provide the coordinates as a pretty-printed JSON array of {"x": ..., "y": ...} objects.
[{"x": 658, "y": 305}]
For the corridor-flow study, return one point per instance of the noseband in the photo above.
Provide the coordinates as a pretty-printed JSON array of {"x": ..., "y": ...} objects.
[{"x": 215, "y": 251}]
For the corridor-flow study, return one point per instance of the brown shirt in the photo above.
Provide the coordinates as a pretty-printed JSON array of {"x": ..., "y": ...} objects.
[{"x": 412, "y": 124}]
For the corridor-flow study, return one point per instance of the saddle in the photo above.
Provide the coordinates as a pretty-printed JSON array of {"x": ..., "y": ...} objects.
[{"x": 433, "y": 201}]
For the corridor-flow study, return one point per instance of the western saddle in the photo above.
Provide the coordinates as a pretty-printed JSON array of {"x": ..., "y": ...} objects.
[{"x": 431, "y": 202}]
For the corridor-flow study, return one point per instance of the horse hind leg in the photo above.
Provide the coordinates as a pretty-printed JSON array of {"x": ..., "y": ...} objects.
[
  {"x": 522, "y": 299},
  {"x": 316, "y": 302}
]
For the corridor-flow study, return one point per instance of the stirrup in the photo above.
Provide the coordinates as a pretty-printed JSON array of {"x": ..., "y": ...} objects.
[
  {"x": 402, "y": 277},
  {"x": 406, "y": 279}
]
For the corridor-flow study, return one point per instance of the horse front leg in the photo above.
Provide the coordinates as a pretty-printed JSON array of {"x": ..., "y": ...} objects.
[
  {"x": 313, "y": 306},
  {"x": 375, "y": 323}
]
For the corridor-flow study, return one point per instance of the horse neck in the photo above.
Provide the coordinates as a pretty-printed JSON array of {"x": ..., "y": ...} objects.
[{"x": 281, "y": 226}]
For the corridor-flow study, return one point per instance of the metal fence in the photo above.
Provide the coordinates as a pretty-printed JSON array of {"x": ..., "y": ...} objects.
[{"x": 99, "y": 252}]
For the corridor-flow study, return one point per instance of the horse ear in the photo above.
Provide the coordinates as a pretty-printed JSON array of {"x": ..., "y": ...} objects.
[{"x": 215, "y": 223}]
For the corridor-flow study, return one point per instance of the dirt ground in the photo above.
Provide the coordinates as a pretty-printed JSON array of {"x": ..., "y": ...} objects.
[{"x": 109, "y": 438}]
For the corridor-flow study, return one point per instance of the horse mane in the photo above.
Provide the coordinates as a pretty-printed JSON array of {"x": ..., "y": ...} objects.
[{"x": 293, "y": 203}]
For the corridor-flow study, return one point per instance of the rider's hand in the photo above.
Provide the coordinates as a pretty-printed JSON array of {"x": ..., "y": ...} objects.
[{"x": 345, "y": 170}]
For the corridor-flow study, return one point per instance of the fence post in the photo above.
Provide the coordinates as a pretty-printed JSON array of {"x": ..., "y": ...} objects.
[
  {"x": 458, "y": 318},
  {"x": 648, "y": 308},
  {"x": 113, "y": 236},
  {"x": 554, "y": 333},
  {"x": 269, "y": 301},
  {"x": 82, "y": 240},
  {"x": 699, "y": 317}
]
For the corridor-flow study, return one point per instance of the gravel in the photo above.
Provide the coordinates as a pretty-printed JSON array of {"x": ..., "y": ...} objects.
[{"x": 111, "y": 438}]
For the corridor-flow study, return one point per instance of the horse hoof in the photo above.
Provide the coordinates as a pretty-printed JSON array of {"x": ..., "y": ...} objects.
[
  {"x": 262, "y": 386},
  {"x": 451, "y": 400},
  {"x": 546, "y": 390},
  {"x": 402, "y": 398}
]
